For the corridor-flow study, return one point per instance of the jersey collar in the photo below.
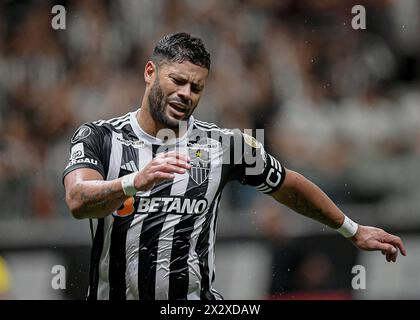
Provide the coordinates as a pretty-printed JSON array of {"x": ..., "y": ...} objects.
[{"x": 141, "y": 134}]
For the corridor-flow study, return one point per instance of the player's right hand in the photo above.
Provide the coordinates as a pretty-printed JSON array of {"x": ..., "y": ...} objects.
[
  {"x": 162, "y": 167},
  {"x": 371, "y": 238}
]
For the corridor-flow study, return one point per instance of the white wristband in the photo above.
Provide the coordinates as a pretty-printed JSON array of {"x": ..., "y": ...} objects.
[
  {"x": 348, "y": 228},
  {"x": 127, "y": 184}
]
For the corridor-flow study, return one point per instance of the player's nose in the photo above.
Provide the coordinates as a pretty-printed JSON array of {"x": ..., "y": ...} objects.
[{"x": 184, "y": 93}]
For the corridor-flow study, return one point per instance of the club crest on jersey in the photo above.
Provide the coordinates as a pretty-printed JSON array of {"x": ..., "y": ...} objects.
[{"x": 200, "y": 164}]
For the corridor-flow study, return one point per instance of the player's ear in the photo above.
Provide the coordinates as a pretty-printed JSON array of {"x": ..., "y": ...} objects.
[{"x": 150, "y": 71}]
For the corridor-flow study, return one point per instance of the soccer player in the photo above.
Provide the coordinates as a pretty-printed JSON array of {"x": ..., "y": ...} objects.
[{"x": 150, "y": 182}]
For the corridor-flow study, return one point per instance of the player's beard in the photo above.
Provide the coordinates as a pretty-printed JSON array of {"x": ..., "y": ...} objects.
[{"x": 158, "y": 104}]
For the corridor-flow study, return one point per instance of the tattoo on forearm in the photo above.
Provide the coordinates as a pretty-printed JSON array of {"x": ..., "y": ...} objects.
[
  {"x": 97, "y": 201},
  {"x": 306, "y": 208}
]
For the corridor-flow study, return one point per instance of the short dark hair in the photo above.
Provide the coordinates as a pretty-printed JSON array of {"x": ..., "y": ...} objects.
[{"x": 180, "y": 47}]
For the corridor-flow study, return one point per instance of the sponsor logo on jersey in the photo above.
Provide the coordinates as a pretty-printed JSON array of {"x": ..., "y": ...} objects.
[
  {"x": 81, "y": 133},
  {"x": 191, "y": 145},
  {"x": 131, "y": 143},
  {"x": 77, "y": 151},
  {"x": 83, "y": 160},
  {"x": 175, "y": 205}
]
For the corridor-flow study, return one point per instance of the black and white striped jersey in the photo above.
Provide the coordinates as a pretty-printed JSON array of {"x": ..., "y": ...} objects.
[{"x": 160, "y": 243}]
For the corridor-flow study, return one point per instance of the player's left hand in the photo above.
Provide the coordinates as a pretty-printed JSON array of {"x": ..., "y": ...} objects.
[{"x": 371, "y": 239}]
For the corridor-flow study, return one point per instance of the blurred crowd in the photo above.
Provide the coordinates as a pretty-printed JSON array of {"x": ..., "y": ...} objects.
[{"x": 337, "y": 104}]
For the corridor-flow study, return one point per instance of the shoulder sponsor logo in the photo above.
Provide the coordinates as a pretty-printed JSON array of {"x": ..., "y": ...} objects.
[
  {"x": 77, "y": 151},
  {"x": 132, "y": 143},
  {"x": 81, "y": 133},
  {"x": 82, "y": 160}
]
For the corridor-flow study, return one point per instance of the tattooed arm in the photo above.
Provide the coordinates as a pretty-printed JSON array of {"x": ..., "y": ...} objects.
[
  {"x": 304, "y": 197},
  {"x": 89, "y": 196}
]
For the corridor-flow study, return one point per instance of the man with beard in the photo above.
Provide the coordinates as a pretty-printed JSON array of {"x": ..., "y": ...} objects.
[{"x": 150, "y": 182}]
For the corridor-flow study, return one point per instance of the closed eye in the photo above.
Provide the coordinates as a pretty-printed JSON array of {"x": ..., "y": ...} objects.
[
  {"x": 178, "y": 81},
  {"x": 196, "y": 89}
]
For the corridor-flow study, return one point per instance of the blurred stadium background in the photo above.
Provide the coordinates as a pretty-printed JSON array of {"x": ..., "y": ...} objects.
[{"x": 341, "y": 106}]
